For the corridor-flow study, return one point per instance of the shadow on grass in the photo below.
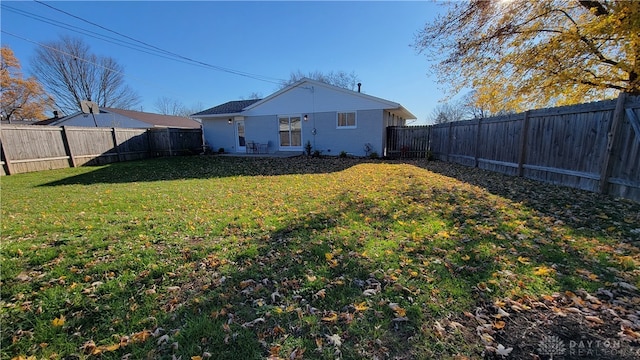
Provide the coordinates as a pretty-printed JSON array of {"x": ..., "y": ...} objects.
[
  {"x": 204, "y": 167},
  {"x": 361, "y": 276},
  {"x": 343, "y": 271},
  {"x": 583, "y": 211}
]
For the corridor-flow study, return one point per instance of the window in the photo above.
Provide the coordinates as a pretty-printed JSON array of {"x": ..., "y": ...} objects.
[
  {"x": 346, "y": 120},
  {"x": 290, "y": 131}
]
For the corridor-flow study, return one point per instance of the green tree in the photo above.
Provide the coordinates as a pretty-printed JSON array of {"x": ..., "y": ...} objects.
[{"x": 521, "y": 54}]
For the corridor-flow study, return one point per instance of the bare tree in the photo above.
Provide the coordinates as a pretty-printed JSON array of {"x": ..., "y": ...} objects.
[
  {"x": 340, "y": 78},
  {"x": 475, "y": 108},
  {"x": 447, "y": 112},
  {"x": 169, "y": 106},
  {"x": 70, "y": 72},
  {"x": 253, "y": 96}
]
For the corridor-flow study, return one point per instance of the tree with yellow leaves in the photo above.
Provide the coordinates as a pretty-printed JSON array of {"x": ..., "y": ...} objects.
[
  {"x": 522, "y": 54},
  {"x": 20, "y": 99}
]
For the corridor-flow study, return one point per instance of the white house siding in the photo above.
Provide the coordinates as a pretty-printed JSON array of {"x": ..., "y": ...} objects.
[
  {"x": 316, "y": 98},
  {"x": 331, "y": 141},
  {"x": 321, "y": 103},
  {"x": 263, "y": 130},
  {"x": 218, "y": 133}
]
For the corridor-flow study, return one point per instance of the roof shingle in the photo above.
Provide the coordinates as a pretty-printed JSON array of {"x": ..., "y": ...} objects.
[
  {"x": 157, "y": 119},
  {"x": 230, "y": 107}
]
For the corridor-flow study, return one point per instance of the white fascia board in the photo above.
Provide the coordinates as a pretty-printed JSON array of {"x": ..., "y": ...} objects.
[
  {"x": 404, "y": 113},
  {"x": 213, "y": 116}
]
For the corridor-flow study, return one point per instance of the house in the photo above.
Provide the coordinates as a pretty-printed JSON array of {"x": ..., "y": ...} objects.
[
  {"x": 110, "y": 117},
  {"x": 329, "y": 118}
]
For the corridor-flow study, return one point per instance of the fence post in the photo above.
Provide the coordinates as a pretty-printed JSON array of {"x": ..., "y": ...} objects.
[
  {"x": 169, "y": 141},
  {"x": 618, "y": 117},
  {"x": 523, "y": 144},
  {"x": 449, "y": 135},
  {"x": 478, "y": 138},
  {"x": 8, "y": 169},
  {"x": 67, "y": 147},
  {"x": 115, "y": 144}
]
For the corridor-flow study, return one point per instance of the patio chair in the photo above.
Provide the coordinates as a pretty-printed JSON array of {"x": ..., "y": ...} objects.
[{"x": 251, "y": 147}]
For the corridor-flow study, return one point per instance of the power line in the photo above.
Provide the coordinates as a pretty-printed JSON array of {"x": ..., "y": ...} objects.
[
  {"x": 178, "y": 56},
  {"x": 78, "y": 58},
  {"x": 81, "y": 30}
]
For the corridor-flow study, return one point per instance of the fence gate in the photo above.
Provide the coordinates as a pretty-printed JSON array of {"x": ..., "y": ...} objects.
[{"x": 408, "y": 141}]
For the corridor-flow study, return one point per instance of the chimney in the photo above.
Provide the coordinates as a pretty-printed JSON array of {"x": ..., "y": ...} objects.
[{"x": 359, "y": 84}]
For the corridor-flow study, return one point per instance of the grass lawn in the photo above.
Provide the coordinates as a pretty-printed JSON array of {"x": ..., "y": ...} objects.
[{"x": 245, "y": 258}]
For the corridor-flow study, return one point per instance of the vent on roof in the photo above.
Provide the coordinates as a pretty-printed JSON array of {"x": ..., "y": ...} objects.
[{"x": 359, "y": 84}]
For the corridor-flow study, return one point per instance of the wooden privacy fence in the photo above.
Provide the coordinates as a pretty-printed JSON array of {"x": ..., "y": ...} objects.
[
  {"x": 35, "y": 148},
  {"x": 594, "y": 146},
  {"x": 408, "y": 141}
]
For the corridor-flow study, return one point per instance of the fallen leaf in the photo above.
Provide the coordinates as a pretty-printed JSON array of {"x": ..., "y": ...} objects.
[
  {"x": 501, "y": 313},
  {"x": 399, "y": 311},
  {"x": 141, "y": 336},
  {"x": 333, "y": 317},
  {"x": 499, "y": 325},
  {"x": 594, "y": 319},
  {"x": 320, "y": 294},
  {"x": 334, "y": 340},
  {"x": 274, "y": 351},
  {"x": 361, "y": 306},
  {"x": 502, "y": 351},
  {"x": 543, "y": 271},
  {"x": 59, "y": 321},
  {"x": 439, "y": 329},
  {"x": 369, "y": 292}
]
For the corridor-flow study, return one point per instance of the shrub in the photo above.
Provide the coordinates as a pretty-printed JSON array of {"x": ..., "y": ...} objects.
[{"x": 307, "y": 148}]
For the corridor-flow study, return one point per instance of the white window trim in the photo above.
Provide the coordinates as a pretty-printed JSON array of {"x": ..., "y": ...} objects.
[
  {"x": 347, "y": 127},
  {"x": 291, "y": 148}
]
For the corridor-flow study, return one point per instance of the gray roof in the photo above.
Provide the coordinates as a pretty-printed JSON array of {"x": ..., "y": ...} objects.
[{"x": 230, "y": 107}]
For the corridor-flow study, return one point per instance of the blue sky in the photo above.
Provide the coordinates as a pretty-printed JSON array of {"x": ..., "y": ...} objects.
[{"x": 270, "y": 39}]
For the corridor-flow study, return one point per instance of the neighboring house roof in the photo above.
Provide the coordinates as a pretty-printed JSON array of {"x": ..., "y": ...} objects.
[
  {"x": 231, "y": 107},
  {"x": 138, "y": 119},
  {"x": 48, "y": 121},
  {"x": 157, "y": 120}
]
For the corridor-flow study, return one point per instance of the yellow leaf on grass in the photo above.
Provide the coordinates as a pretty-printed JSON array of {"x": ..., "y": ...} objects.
[
  {"x": 399, "y": 311},
  {"x": 361, "y": 306},
  {"x": 523, "y": 260},
  {"x": 333, "y": 317},
  {"x": 197, "y": 357},
  {"x": 543, "y": 271},
  {"x": 328, "y": 256},
  {"x": 141, "y": 336},
  {"x": 59, "y": 321},
  {"x": 466, "y": 258}
]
